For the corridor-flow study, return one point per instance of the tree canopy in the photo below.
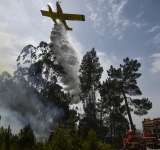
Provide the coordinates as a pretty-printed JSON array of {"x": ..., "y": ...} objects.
[
  {"x": 126, "y": 77},
  {"x": 36, "y": 96}
]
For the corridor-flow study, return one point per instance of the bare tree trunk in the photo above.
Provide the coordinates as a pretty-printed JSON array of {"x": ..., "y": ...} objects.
[
  {"x": 128, "y": 111},
  {"x": 111, "y": 126}
]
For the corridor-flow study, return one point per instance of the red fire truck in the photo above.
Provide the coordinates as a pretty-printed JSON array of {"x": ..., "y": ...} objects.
[{"x": 151, "y": 133}]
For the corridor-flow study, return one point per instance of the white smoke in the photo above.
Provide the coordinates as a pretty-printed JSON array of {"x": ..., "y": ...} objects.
[
  {"x": 68, "y": 57},
  {"x": 20, "y": 106},
  {"x": 18, "y": 110}
]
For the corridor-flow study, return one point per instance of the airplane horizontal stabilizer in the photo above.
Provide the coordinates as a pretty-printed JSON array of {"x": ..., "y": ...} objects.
[{"x": 70, "y": 29}]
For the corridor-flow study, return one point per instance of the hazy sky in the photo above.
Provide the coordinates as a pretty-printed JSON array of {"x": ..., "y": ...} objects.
[{"x": 115, "y": 28}]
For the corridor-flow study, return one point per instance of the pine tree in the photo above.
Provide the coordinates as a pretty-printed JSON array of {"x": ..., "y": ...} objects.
[
  {"x": 110, "y": 105},
  {"x": 126, "y": 77},
  {"x": 90, "y": 74}
]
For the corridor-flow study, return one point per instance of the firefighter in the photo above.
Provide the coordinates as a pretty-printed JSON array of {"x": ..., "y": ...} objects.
[
  {"x": 142, "y": 144},
  {"x": 51, "y": 135},
  {"x": 124, "y": 142},
  {"x": 132, "y": 140}
]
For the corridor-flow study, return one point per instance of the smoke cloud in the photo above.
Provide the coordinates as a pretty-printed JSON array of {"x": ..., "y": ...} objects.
[
  {"x": 68, "y": 57},
  {"x": 20, "y": 106}
]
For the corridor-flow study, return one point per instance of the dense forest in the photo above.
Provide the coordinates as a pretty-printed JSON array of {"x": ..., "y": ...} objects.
[{"x": 41, "y": 103}]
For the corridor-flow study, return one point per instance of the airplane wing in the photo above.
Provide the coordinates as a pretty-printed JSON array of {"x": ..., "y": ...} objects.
[
  {"x": 45, "y": 13},
  {"x": 48, "y": 14},
  {"x": 52, "y": 15},
  {"x": 77, "y": 17}
]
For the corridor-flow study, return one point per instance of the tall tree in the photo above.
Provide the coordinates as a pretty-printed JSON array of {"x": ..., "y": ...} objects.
[
  {"x": 39, "y": 66},
  {"x": 90, "y": 74},
  {"x": 110, "y": 104},
  {"x": 126, "y": 77},
  {"x": 39, "y": 70}
]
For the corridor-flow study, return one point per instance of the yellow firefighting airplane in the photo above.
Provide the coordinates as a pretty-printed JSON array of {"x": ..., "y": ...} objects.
[{"x": 61, "y": 16}]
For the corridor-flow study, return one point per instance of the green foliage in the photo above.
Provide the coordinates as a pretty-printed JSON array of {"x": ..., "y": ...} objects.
[
  {"x": 42, "y": 146},
  {"x": 91, "y": 139},
  {"x": 14, "y": 142},
  {"x": 141, "y": 106},
  {"x": 71, "y": 122},
  {"x": 91, "y": 142},
  {"x": 63, "y": 139},
  {"x": 26, "y": 137},
  {"x": 126, "y": 76},
  {"x": 8, "y": 141},
  {"x": 90, "y": 75},
  {"x": 110, "y": 105},
  {"x": 104, "y": 146}
]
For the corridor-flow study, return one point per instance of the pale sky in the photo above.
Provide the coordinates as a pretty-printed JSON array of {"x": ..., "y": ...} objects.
[{"x": 115, "y": 28}]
